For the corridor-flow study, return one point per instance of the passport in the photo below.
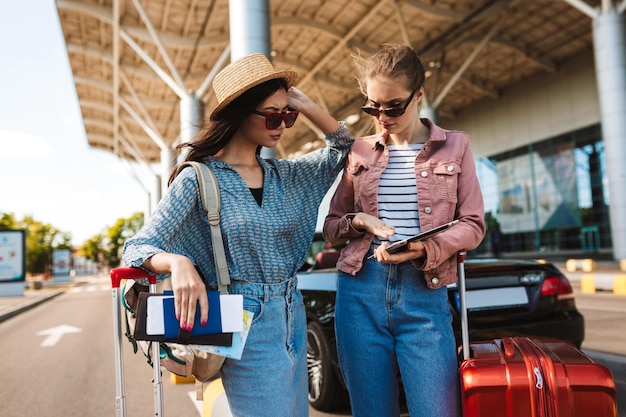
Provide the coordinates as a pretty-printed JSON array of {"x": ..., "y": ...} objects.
[
  {"x": 213, "y": 325},
  {"x": 225, "y": 315}
]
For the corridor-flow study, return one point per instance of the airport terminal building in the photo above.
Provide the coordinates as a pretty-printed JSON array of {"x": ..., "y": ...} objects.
[
  {"x": 541, "y": 162},
  {"x": 540, "y": 87}
]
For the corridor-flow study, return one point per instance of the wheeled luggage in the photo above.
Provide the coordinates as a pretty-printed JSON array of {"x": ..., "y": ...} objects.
[
  {"x": 117, "y": 275},
  {"x": 523, "y": 377}
]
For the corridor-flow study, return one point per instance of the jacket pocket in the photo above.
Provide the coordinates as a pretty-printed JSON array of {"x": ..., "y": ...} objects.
[
  {"x": 447, "y": 174},
  {"x": 356, "y": 168},
  {"x": 360, "y": 183}
]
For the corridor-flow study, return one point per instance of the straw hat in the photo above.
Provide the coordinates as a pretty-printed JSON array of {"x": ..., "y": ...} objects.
[{"x": 241, "y": 75}]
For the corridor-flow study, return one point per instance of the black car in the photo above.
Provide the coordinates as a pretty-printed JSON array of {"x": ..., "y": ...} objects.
[{"x": 505, "y": 298}]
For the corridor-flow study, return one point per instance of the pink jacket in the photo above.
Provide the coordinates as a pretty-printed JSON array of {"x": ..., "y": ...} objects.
[{"x": 447, "y": 189}]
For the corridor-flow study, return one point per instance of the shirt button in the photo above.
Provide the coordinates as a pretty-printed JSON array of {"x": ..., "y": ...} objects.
[
  {"x": 427, "y": 210},
  {"x": 424, "y": 174},
  {"x": 435, "y": 281},
  {"x": 450, "y": 168}
]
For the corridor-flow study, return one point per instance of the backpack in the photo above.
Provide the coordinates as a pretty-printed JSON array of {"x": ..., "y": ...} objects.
[{"x": 177, "y": 358}]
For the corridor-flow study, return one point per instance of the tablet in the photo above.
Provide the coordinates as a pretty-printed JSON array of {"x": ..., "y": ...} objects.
[{"x": 401, "y": 244}]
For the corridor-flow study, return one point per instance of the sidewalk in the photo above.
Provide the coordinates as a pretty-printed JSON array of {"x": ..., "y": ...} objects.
[
  {"x": 12, "y": 306},
  {"x": 603, "y": 267},
  {"x": 598, "y": 276}
]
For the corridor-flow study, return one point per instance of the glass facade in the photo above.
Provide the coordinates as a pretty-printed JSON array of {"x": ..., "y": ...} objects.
[{"x": 549, "y": 197}]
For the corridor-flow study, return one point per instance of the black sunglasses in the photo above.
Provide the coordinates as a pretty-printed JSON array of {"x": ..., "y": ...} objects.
[
  {"x": 273, "y": 120},
  {"x": 391, "y": 112}
]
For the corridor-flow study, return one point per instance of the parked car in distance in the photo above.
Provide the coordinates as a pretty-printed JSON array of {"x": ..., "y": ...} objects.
[{"x": 505, "y": 297}]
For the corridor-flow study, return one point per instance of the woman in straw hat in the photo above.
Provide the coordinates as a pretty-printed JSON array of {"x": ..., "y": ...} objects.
[{"x": 268, "y": 217}]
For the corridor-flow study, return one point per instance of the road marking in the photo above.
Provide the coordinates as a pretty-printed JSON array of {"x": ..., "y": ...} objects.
[
  {"x": 196, "y": 403},
  {"x": 89, "y": 288},
  {"x": 56, "y": 333}
]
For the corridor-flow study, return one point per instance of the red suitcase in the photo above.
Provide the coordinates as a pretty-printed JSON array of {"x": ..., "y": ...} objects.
[{"x": 523, "y": 377}]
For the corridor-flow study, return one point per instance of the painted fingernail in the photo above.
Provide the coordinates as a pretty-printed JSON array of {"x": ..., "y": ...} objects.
[
  {"x": 183, "y": 325},
  {"x": 203, "y": 323},
  {"x": 189, "y": 328}
]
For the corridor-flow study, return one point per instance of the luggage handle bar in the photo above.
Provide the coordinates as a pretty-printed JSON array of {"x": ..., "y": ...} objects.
[
  {"x": 117, "y": 275},
  {"x": 463, "y": 304},
  {"x": 508, "y": 346}
]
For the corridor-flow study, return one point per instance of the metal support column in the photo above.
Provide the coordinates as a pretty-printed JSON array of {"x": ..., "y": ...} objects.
[
  {"x": 249, "y": 28},
  {"x": 191, "y": 121},
  {"x": 429, "y": 112},
  {"x": 156, "y": 195},
  {"x": 249, "y": 34},
  {"x": 609, "y": 37},
  {"x": 191, "y": 117},
  {"x": 167, "y": 165}
]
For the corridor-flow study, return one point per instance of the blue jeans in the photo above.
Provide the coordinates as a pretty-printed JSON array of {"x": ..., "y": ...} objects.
[
  {"x": 388, "y": 321},
  {"x": 270, "y": 380}
]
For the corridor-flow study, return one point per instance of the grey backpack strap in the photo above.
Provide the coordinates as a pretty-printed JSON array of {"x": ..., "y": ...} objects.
[{"x": 210, "y": 194}]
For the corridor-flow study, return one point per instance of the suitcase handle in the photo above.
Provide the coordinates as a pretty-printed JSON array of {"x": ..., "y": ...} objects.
[
  {"x": 507, "y": 343},
  {"x": 118, "y": 274},
  {"x": 460, "y": 257},
  {"x": 509, "y": 347}
]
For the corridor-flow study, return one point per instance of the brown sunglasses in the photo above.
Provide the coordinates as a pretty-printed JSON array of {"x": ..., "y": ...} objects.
[{"x": 273, "y": 120}]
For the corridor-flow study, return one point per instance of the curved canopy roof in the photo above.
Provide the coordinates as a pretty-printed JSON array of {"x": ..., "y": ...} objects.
[{"x": 132, "y": 63}]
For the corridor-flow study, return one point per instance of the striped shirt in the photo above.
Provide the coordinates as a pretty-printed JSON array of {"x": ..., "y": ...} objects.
[{"x": 397, "y": 193}]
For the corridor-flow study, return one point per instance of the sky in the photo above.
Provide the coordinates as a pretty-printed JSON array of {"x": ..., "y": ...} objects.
[{"x": 47, "y": 169}]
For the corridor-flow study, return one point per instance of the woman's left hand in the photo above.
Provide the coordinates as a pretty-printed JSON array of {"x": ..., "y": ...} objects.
[
  {"x": 297, "y": 99},
  {"x": 320, "y": 117},
  {"x": 414, "y": 250}
]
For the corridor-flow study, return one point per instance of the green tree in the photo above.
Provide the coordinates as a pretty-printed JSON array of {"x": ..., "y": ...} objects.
[
  {"x": 8, "y": 221},
  {"x": 93, "y": 249},
  {"x": 117, "y": 236},
  {"x": 41, "y": 240}
]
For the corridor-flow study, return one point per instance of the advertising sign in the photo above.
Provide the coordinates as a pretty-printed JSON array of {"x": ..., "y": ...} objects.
[
  {"x": 12, "y": 256},
  {"x": 61, "y": 264}
]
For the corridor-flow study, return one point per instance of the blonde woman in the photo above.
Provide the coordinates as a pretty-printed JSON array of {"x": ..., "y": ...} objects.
[{"x": 391, "y": 312}]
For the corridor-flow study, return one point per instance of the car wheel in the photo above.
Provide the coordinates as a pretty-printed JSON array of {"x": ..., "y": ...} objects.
[{"x": 325, "y": 391}]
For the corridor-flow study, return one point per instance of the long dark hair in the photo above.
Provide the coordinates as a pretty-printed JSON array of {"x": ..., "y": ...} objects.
[{"x": 220, "y": 129}]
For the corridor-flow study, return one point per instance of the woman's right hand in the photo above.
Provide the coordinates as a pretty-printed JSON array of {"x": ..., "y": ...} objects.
[
  {"x": 373, "y": 225},
  {"x": 189, "y": 289}
]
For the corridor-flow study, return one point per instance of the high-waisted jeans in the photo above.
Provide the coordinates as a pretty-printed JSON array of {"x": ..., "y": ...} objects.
[
  {"x": 270, "y": 380},
  {"x": 388, "y": 321}
]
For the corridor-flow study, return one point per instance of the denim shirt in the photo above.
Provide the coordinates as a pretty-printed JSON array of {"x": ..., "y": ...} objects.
[
  {"x": 447, "y": 189},
  {"x": 264, "y": 244}
]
